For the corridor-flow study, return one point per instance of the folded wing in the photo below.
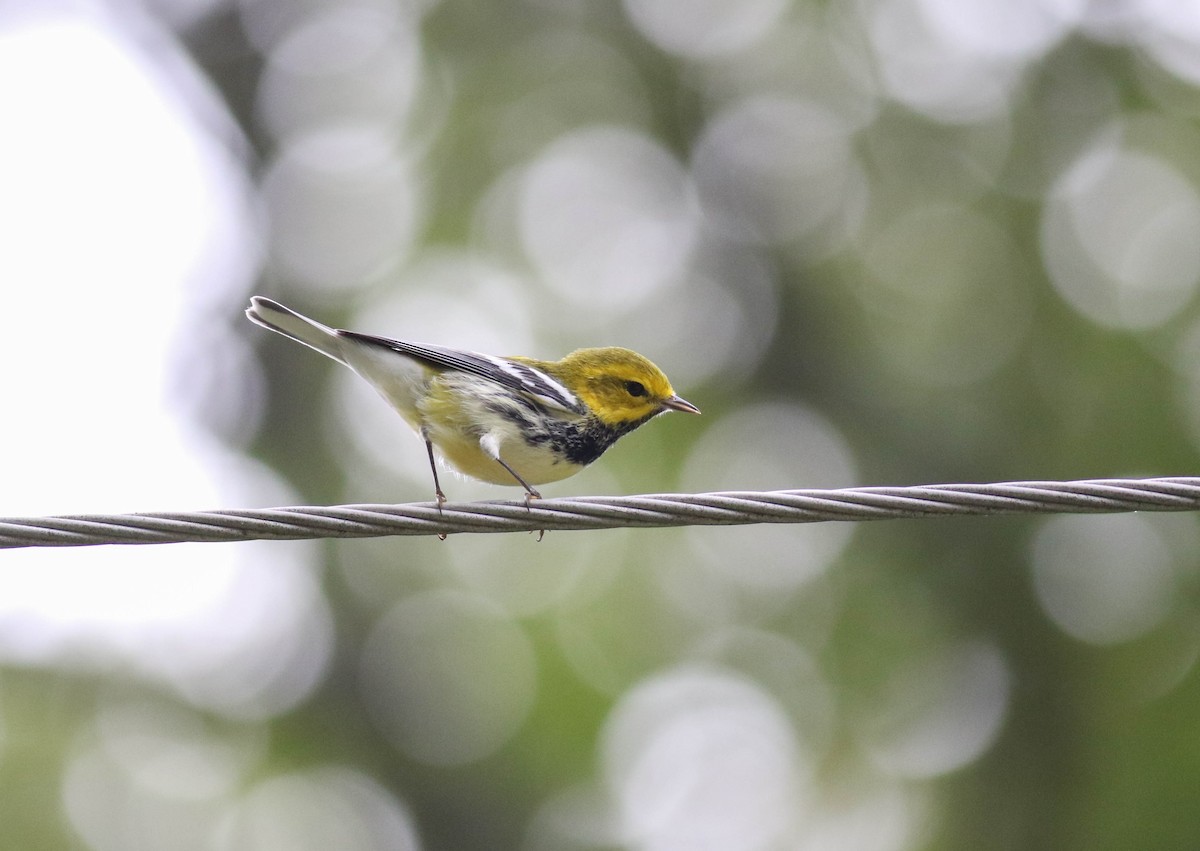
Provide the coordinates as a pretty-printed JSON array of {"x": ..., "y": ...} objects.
[{"x": 520, "y": 377}]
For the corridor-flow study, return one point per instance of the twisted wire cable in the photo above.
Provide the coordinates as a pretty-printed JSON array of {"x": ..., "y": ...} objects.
[{"x": 729, "y": 508}]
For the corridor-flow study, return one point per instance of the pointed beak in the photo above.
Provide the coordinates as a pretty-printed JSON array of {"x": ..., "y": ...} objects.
[{"x": 674, "y": 403}]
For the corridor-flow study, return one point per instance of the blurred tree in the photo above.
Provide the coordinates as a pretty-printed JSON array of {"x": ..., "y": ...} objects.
[{"x": 888, "y": 241}]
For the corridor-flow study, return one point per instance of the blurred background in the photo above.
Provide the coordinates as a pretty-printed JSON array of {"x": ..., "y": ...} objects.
[{"x": 876, "y": 241}]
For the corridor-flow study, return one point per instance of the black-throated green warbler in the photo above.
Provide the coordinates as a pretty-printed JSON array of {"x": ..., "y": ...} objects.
[{"x": 508, "y": 421}]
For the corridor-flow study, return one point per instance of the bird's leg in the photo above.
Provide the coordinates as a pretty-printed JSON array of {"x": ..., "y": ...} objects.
[
  {"x": 530, "y": 491},
  {"x": 437, "y": 486}
]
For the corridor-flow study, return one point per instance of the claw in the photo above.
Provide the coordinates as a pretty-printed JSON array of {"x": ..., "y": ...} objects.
[{"x": 530, "y": 495}]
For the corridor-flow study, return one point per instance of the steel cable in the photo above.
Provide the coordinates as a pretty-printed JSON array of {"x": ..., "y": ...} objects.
[{"x": 604, "y": 512}]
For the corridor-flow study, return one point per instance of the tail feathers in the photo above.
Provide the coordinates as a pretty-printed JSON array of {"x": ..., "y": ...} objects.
[{"x": 273, "y": 315}]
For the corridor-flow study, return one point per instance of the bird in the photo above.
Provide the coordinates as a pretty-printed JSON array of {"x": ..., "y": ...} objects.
[{"x": 505, "y": 420}]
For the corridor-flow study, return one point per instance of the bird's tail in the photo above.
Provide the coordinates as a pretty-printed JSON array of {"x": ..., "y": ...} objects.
[{"x": 289, "y": 323}]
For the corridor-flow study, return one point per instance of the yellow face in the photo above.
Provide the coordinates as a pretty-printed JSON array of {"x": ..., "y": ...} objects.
[{"x": 619, "y": 385}]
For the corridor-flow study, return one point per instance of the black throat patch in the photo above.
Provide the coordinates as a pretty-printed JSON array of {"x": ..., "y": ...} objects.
[{"x": 579, "y": 441}]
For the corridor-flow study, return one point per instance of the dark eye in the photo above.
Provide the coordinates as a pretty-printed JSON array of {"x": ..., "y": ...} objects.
[{"x": 635, "y": 388}]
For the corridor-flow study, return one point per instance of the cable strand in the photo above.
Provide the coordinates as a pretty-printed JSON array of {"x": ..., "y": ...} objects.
[{"x": 596, "y": 512}]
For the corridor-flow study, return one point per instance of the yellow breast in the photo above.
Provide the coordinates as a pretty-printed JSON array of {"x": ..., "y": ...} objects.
[
  {"x": 455, "y": 417},
  {"x": 537, "y": 465}
]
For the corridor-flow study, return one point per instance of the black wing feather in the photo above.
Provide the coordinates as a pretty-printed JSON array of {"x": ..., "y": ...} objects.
[{"x": 510, "y": 374}]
